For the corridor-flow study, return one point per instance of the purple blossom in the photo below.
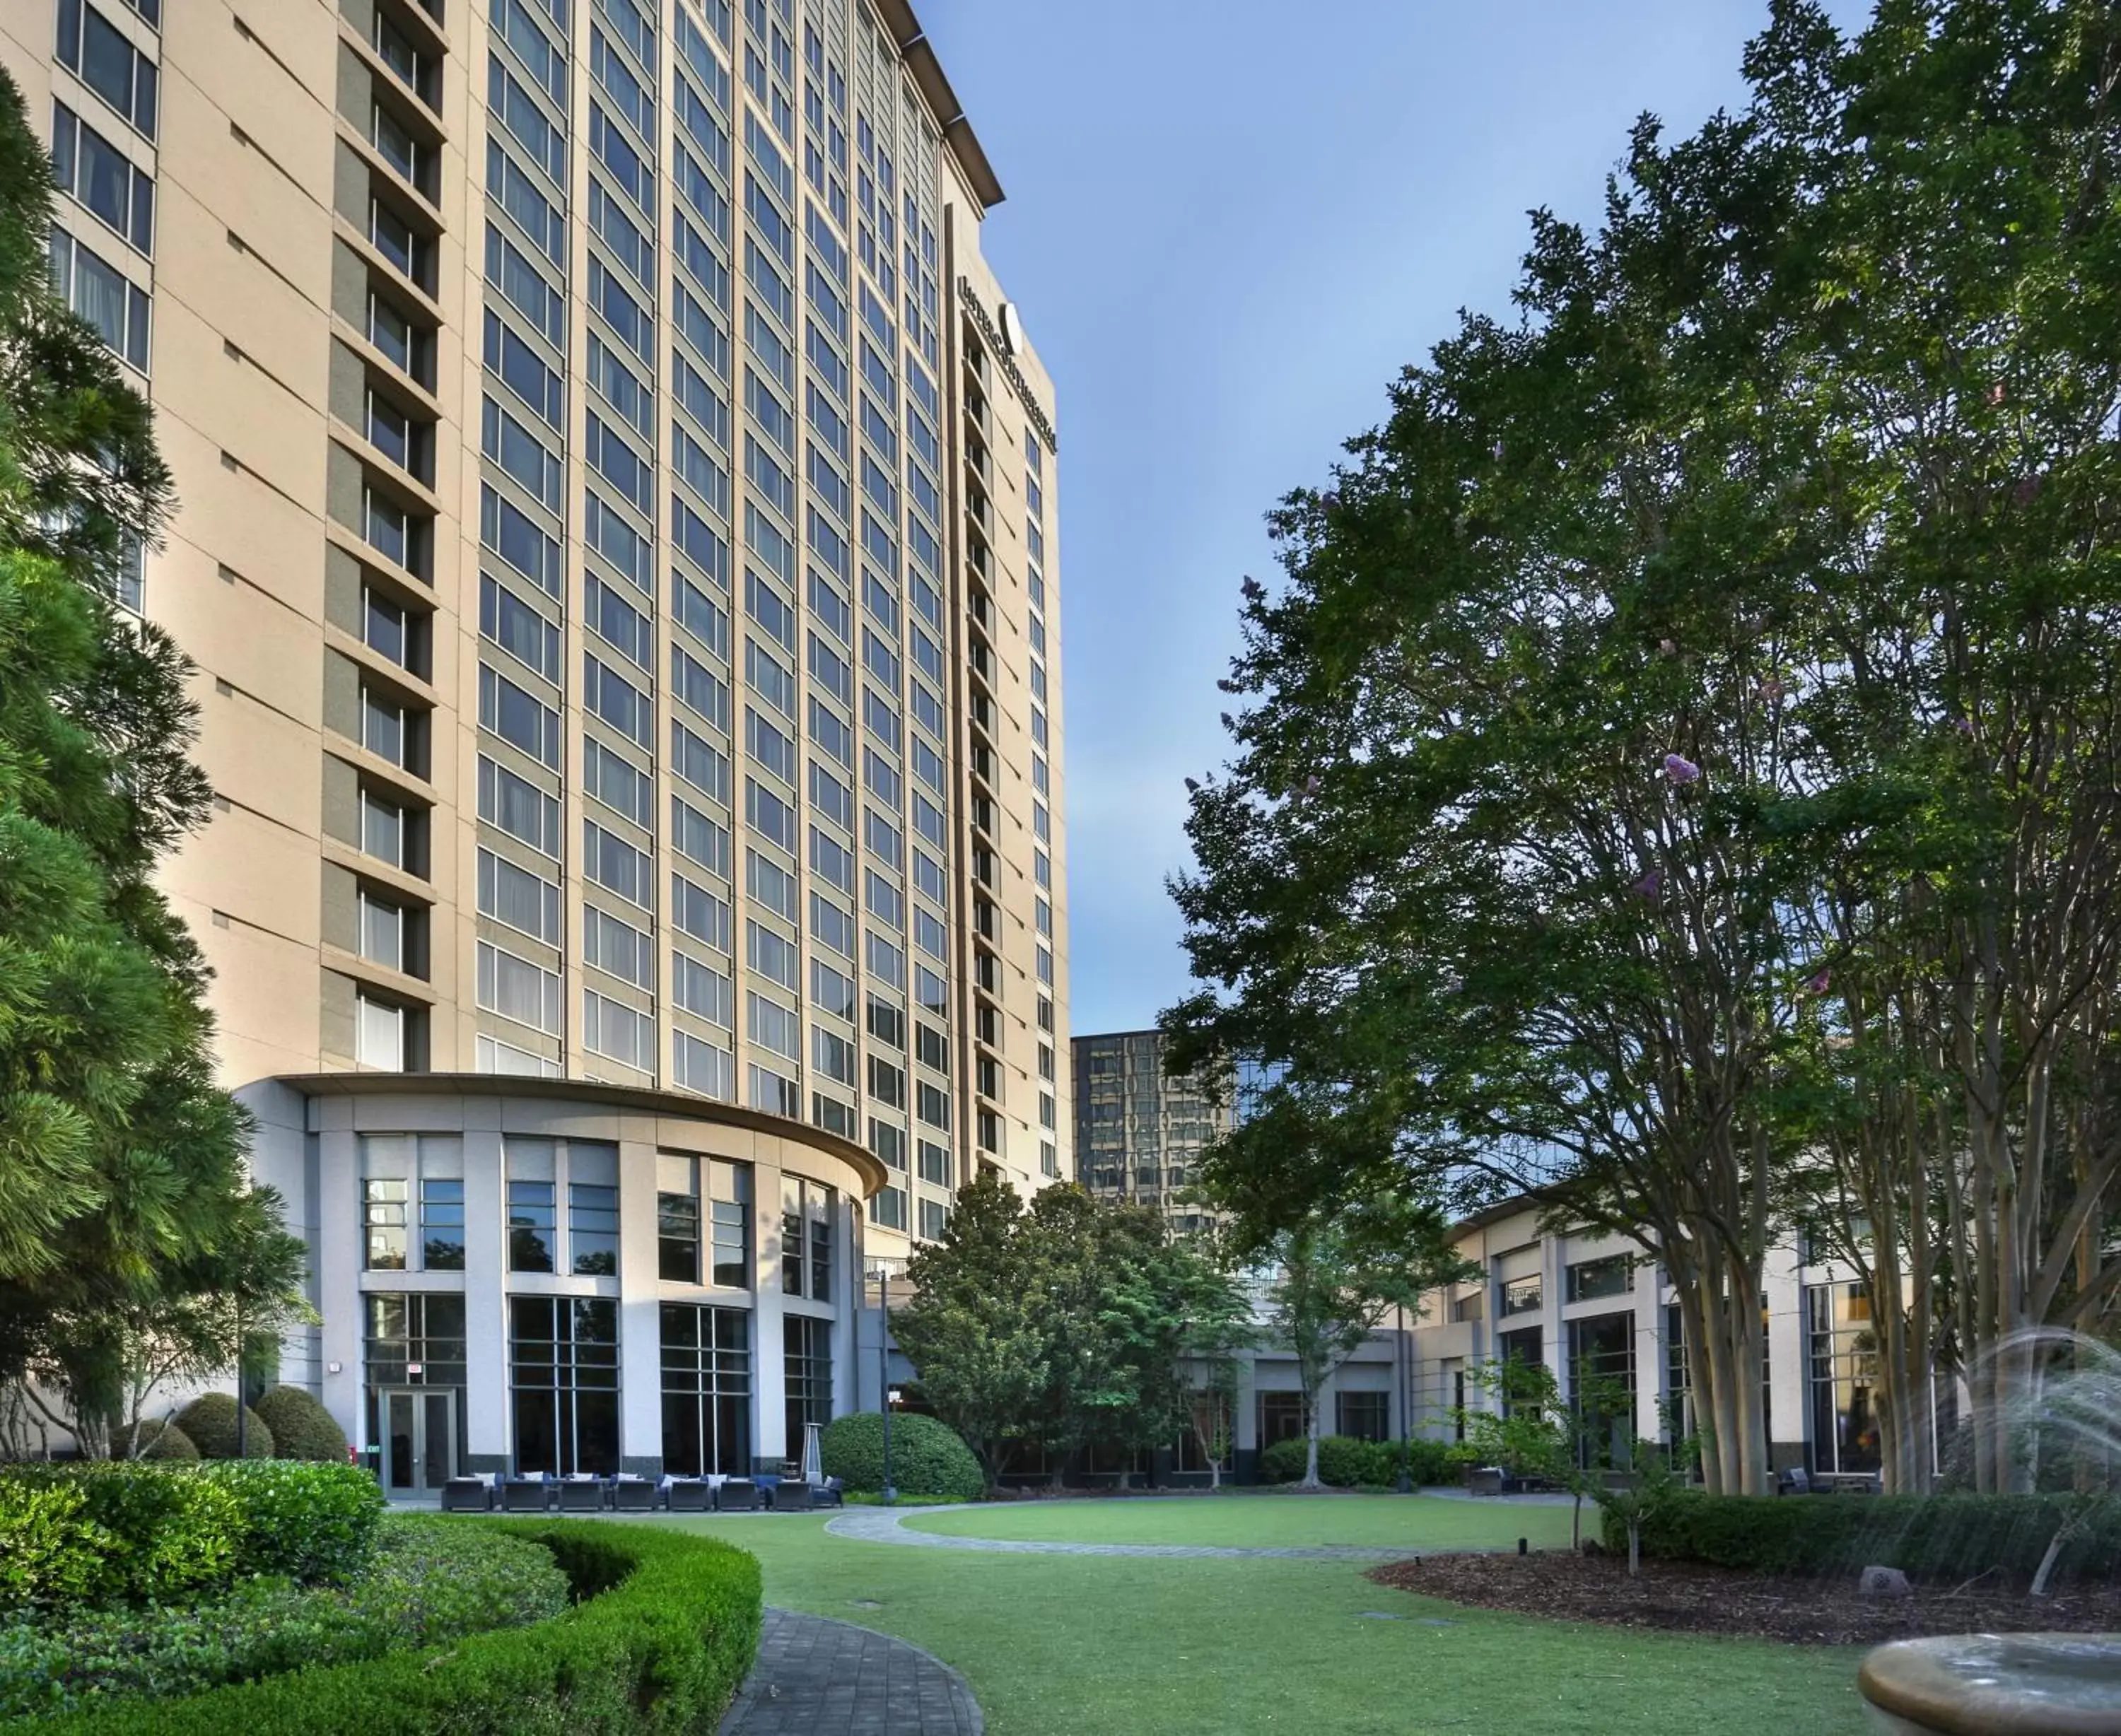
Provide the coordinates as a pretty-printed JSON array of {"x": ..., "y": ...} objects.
[
  {"x": 1681, "y": 769},
  {"x": 1821, "y": 981},
  {"x": 1311, "y": 784},
  {"x": 1192, "y": 786},
  {"x": 1649, "y": 886},
  {"x": 1252, "y": 588},
  {"x": 1227, "y": 723},
  {"x": 1496, "y": 452},
  {"x": 1330, "y": 501},
  {"x": 1965, "y": 727}
]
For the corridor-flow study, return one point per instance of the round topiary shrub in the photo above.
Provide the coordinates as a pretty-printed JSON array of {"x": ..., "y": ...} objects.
[
  {"x": 927, "y": 1458},
  {"x": 301, "y": 1427},
  {"x": 210, "y": 1421},
  {"x": 158, "y": 1440}
]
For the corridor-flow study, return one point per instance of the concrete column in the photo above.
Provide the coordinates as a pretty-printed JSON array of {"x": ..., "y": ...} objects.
[
  {"x": 769, "y": 1413},
  {"x": 488, "y": 1442},
  {"x": 639, "y": 1322},
  {"x": 337, "y": 1215}
]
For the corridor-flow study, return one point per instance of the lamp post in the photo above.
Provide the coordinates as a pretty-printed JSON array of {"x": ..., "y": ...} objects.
[
  {"x": 1404, "y": 1359},
  {"x": 883, "y": 1372}
]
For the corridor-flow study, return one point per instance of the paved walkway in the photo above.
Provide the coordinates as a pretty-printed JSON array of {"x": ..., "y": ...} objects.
[
  {"x": 821, "y": 1677},
  {"x": 885, "y": 1525}
]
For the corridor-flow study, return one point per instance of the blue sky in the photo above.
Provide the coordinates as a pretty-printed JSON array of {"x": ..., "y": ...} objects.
[{"x": 1229, "y": 224}]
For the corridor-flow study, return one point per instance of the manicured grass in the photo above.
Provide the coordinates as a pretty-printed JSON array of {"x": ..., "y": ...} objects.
[
  {"x": 1411, "y": 1522},
  {"x": 1089, "y": 1645}
]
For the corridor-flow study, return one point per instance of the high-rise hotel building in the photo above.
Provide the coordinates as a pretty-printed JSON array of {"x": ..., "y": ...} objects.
[{"x": 618, "y": 541}]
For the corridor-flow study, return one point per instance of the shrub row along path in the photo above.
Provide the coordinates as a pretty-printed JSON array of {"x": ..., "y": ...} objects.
[
  {"x": 815, "y": 1676},
  {"x": 887, "y": 1526}
]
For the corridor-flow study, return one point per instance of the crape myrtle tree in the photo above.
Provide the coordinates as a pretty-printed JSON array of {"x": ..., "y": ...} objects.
[
  {"x": 124, "y": 1200},
  {"x": 1330, "y": 1278},
  {"x": 1677, "y": 775}
]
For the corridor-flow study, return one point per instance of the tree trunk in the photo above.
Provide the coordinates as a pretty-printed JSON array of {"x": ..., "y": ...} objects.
[{"x": 1310, "y": 1442}]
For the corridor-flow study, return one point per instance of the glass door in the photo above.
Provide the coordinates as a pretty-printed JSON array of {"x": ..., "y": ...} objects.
[{"x": 419, "y": 1439}]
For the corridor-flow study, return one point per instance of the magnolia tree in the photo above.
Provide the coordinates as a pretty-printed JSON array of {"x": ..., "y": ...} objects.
[{"x": 1679, "y": 771}]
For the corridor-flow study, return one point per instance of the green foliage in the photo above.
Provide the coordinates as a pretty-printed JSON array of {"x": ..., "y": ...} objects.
[
  {"x": 158, "y": 1440},
  {"x": 301, "y": 1427},
  {"x": 431, "y": 1582},
  {"x": 1337, "y": 1275},
  {"x": 118, "y": 1532},
  {"x": 51, "y": 1551},
  {"x": 1942, "y": 1537},
  {"x": 307, "y": 1521},
  {"x": 666, "y": 1630},
  {"x": 210, "y": 1421},
  {"x": 128, "y": 1228},
  {"x": 1345, "y": 1462},
  {"x": 1672, "y": 771},
  {"x": 1069, "y": 1324},
  {"x": 927, "y": 1457}
]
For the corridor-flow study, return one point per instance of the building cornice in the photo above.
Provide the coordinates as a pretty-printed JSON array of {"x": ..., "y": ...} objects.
[
  {"x": 678, "y": 1106},
  {"x": 919, "y": 57}
]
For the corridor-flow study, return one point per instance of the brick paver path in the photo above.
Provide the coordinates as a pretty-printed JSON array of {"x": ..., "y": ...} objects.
[{"x": 821, "y": 1677}]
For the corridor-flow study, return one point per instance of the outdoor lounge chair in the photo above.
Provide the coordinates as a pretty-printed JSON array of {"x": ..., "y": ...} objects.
[
  {"x": 791, "y": 1497},
  {"x": 633, "y": 1495},
  {"x": 467, "y": 1494},
  {"x": 691, "y": 1495},
  {"x": 581, "y": 1495},
  {"x": 738, "y": 1495},
  {"x": 525, "y": 1495}
]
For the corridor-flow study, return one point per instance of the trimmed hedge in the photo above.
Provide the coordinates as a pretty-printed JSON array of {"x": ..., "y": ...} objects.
[
  {"x": 1947, "y": 1538},
  {"x": 164, "y": 1441},
  {"x": 431, "y": 1581},
  {"x": 1345, "y": 1462},
  {"x": 110, "y": 1531},
  {"x": 665, "y": 1634},
  {"x": 927, "y": 1458},
  {"x": 301, "y": 1427},
  {"x": 210, "y": 1421}
]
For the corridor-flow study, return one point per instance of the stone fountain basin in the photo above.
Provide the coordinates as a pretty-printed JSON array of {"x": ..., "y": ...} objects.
[{"x": 1997, "y": 1685}]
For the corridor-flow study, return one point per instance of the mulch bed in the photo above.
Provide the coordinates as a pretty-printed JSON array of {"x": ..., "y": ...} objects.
[{"x": 1695, "y": 1599}]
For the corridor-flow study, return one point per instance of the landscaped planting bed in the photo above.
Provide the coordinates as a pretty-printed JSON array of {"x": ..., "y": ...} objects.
[{"x": 279, "y": 1600}]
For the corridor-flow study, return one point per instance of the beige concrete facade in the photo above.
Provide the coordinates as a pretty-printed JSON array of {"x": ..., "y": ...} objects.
[{"x": 618, "y": 541}]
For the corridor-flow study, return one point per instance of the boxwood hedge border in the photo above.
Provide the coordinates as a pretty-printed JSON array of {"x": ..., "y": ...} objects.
[{"x": 665, "y": 1630}]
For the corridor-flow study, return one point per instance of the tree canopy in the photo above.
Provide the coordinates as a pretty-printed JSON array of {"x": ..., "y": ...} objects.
[
  {"x": 1066, "y": 1324},
  {"x": 1676, "y": 774},
  {"x": 124, "y": 1202}
]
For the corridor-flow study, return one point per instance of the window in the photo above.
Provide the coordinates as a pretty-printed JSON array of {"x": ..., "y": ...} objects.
[
  {"x": 732, "y": 1228},
  {"x": 1280, "y": 1418},
  {"x": 1841, "y": 1354},
  {"x": 382, "y": 828},
  {"x": 96, "y": 172},
  {"x": 806, "y": 1239},
  {"x": 1589, "y": 1280},
  {"x": 935, "y": 1215},
  {"x": 441, "y": 1223},
  {"x": 677, "y": 1238},
  {"x": 563, "y": 1355},
  {"x": 427, "y": 1330},
  {"x": 935, "y": 1161},
  {"x": 384, "y": 1209},
  {"x": 99, "y": 294},
  {"x": 517, "y": 807},
  {"x": 807, "y": 1366},
  {"x": 379, "y": 1033},
  {"x": 706, "y": 1390},
  {"x": 94, "y": 48},
  {"x": 593, "y": 1212},
  {"x": 518, "y": 989},
  {"x": 533, "y": 1225},
  {"x": 1523, "y": 1296},
  {"x": 1363, "y": 1415},
  {"x": 890, "y": 1207},
  {"x": 382, "y": 923},
  {"x": 518, "y": 629}
]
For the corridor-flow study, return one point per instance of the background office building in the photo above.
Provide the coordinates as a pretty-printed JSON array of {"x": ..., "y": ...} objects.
[
  {"x": 1139, "y": 1133},
  {"x": 618, "y": 539}
]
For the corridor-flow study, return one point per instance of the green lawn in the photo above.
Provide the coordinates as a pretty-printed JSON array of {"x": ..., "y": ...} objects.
[
  {"x": 1411, "y": 1522},
  {"x": 1088, "y": 1645}
]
